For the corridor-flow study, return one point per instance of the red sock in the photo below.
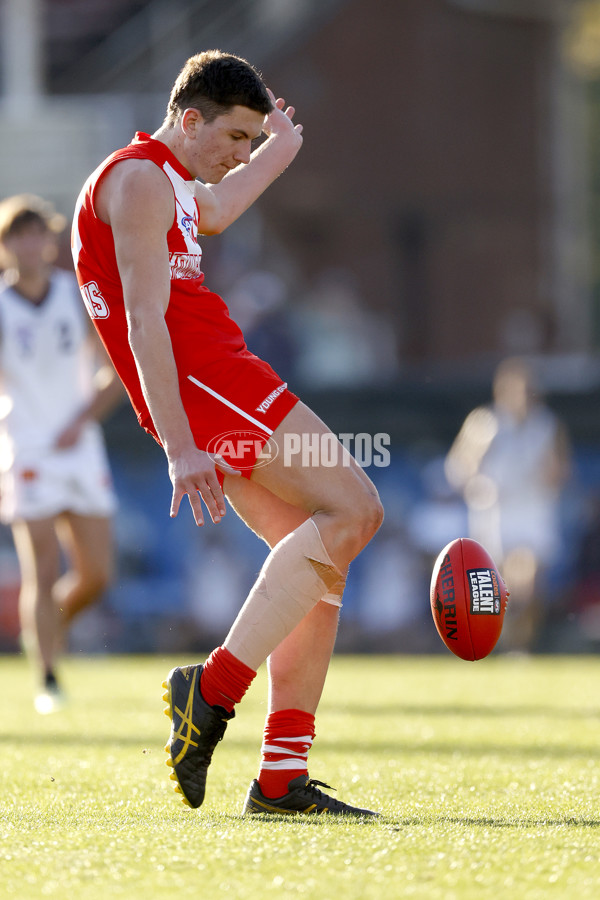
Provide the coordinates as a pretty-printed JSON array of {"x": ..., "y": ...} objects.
[
  {"x": 287, "y": 739},
  {"x": 225, "y": 679}
]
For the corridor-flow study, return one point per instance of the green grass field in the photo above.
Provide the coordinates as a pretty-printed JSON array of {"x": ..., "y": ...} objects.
[{"x": 486, "y": 773}]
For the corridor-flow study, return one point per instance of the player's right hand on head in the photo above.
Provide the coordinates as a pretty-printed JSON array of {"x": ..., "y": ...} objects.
[
  {"x": 194, "y": 473},
  {"x": 280, "y": 119}
]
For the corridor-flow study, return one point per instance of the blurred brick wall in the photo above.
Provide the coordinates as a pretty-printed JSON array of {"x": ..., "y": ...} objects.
[{"x": 421, "y": 168}]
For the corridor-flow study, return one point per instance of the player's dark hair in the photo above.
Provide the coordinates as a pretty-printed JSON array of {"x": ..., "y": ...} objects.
[{"x": 212, "y": 82}]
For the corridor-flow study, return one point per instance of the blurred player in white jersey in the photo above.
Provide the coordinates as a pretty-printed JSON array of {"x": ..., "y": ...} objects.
[
  {"x": 511, "y": 460},
  {"x": 55, "y": 485}
]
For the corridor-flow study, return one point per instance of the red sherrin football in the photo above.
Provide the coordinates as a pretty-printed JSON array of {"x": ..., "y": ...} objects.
[{"x": 468, "y": 599}]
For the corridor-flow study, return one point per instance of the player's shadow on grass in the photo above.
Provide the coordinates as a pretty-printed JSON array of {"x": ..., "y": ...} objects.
[
  {"x": 405, "y": 747},
  {"x": 523, "y": 822},
  {"x": 396, "y": 823},
  {"x": 385, "y": 748},
  {"x": 147, "y": 743},
  {"x": 82, "y": 740},
  {"x": 323, "y": 820},
  {"x": 454, "y": 710}
]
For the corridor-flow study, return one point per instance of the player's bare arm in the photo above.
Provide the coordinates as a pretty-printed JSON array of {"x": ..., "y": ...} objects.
[
  {"x": 222, "y": 203},
  {"x": 108, "y": 394},
  {"x": 137, "y": 202}
]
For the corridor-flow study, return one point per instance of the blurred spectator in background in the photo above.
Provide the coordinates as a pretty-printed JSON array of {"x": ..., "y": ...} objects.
[
  {"x": 258, "y": 303},
  {"x": 584, "y": 594},
  {"x": 55, "y": 486},
  {"x": 511, "y": 460},
  {"x": 393, "y": 585},
  {"x": 342, "y": 342}
]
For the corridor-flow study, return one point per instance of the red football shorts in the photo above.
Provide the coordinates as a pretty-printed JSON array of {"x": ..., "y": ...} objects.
[{"x": 233, "y": 406}]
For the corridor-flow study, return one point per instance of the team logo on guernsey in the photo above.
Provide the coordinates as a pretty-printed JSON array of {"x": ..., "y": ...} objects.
[
  {"x": 187, "y": 223},
  {"x": 94, "y": 300}
]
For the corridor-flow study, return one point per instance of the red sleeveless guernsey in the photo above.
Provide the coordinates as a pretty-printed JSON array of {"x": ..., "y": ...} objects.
[{"x": 208, "y": 347}]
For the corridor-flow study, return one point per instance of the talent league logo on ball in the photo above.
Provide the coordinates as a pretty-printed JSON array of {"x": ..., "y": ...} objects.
[
  {"x": 244, "y": 449},
  {"x": 485, "y": 592}
]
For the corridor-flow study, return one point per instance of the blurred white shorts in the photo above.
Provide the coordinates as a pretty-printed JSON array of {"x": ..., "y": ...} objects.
[{"x": 43, "y": 485}]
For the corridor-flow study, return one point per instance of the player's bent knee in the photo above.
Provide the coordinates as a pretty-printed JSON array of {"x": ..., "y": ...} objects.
[
  {"x": 376, "y": 513},
  {"x": 93, "y": 585},
  {"x": 371, "y": 515},
  {"x": 362, "y": 521}
]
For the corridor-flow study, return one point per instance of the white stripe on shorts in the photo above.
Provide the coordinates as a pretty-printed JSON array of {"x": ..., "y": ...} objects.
[{"x": 230, "y": 405}]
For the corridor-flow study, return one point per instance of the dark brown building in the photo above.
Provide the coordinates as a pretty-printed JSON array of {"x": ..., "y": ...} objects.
[
  {"x": 437, "y": 167},
  {"x": 443, "y": 161}
]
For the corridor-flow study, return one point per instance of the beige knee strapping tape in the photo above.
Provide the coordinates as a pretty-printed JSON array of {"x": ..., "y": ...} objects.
[
  {"x": 334, "y": 594},
  {"x": 296, "y": 575}
]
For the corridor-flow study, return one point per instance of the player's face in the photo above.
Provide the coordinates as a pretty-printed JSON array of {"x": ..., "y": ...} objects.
[
  {"x": 225, "y": 143},
  {"x": 31, "y": 248}
]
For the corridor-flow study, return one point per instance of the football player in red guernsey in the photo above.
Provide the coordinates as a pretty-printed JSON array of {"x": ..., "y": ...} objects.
[{"x": 191, "y": 378}]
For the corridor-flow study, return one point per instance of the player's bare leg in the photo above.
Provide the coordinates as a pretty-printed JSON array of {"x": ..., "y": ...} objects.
[
  {"x": 88, "y": 545},
  {"x": 38, "y": 552},
  {"x": 343, "y": 512},
  {"x": 48, "y": 601},
  {"x": 336, "y": 511},
  {"x": 523, "y": 617},
  {"x": 340, "y": 498},
  {"x": 299, "y": 664}
]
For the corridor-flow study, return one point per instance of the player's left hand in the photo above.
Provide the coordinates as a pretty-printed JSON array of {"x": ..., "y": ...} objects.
[
  {"x": 69, "y": 436},
  {"x": 193, "y": 473}
]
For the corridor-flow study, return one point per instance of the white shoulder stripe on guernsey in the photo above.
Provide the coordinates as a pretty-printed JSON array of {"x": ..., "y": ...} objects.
[{"x": 231, "y": 405}]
